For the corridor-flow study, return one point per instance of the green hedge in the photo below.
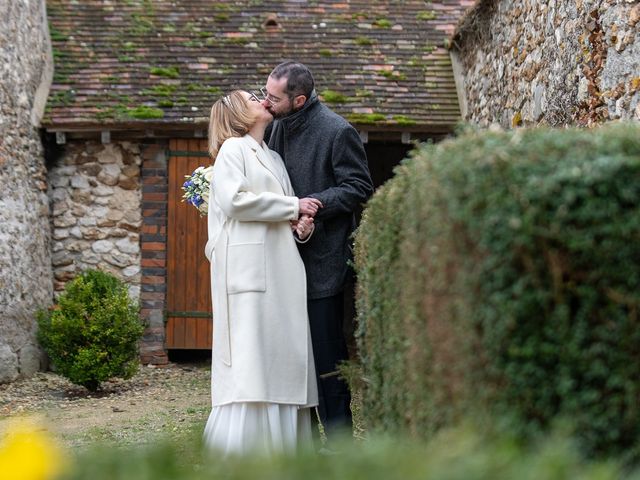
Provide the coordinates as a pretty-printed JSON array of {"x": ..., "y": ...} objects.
[
  {"x": 459, "y": 454},
  {"x": 500, "y": 272}
]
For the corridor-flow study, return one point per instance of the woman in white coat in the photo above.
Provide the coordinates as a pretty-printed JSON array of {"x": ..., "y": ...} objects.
[{"x": 263, "y": 377}]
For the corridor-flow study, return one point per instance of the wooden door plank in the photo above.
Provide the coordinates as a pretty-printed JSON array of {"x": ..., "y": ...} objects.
[
  {"x": 191, "y": 217},
  {"x": 188, "y": 282},
  {"x": 204, "y": 286}
]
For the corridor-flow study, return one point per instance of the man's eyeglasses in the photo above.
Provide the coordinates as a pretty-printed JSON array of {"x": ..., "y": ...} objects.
[{"x": 270, "y": 98}]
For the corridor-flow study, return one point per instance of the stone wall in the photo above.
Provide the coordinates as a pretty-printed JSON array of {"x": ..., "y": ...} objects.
[
  {"x": 109, "y": 211},
  {"x": 557, "y": 63},
  {"x": 96, "y": 212},
  {"x": 25, "y": 264}
]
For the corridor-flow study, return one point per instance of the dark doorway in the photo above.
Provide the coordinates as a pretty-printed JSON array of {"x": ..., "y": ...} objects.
[{"x": 383, "y": 157}]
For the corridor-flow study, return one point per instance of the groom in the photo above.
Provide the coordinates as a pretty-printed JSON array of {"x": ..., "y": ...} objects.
[{"x": 326, "y": 160}]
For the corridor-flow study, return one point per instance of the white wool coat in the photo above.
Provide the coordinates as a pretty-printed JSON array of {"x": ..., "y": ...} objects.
[{"x": 261, "y": 340}]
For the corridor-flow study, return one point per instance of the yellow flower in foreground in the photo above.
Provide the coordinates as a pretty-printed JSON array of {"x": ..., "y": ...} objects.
[{"x": 29, "y": 453}]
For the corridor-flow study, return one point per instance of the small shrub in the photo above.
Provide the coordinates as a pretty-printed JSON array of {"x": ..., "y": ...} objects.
[{"x": 92, "y": 334}]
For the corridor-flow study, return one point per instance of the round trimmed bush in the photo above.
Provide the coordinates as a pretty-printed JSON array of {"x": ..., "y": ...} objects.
[
  {"x": 499, "y": 273},
  {"x": 92, "y": 334}
]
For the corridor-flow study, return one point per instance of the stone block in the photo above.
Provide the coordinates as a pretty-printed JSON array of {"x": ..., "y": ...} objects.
[
  {"x": 131, "y": 171},
  {"x": 102, "y": 246},
  {"x": 81, "y": 196},
  {"x": 117, "y": 259},
  {"x": 61, "y": 258},
  {"x": 111, "y": 154},
  {"x": 130, "y": 271},
  {"x": 59, "y": 181},
  {"x": 115, "y": 215},
  {"x": 30, "y": 359},
  {"x": 91, "y": 169},
  {"x": 127, "y": 183},
  {"x": 8, "y": 364},
  {"x": 106, "y": 223},
  {"x": 79, "y": 182},
  {"x": 103, "y": 191},
  {"x": 94, "y": 234},
  {"x": 125, "y": 245},
  {"x": 110, "y": 174}
]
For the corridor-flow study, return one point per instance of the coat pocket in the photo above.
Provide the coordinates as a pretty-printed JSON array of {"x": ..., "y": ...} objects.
[{"x": 246, "y": 269}]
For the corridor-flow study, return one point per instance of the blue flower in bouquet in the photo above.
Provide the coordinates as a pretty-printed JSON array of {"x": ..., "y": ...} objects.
[{"x": 196, "y": 188}]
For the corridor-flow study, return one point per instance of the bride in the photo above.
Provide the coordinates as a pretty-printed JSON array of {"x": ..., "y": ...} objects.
[{"x": 263, "y": 379}]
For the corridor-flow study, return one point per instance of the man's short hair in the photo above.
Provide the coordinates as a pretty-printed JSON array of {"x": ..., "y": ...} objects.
[{"x": 299, "y": 78}]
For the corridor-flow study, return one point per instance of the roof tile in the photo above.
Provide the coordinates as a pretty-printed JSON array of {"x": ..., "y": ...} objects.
[{"x": 383, "y": 57}]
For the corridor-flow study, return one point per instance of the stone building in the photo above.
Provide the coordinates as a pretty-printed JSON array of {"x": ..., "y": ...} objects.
[
  {"x": 128, "y": 114},
  {"x": 525, "y": 62},
  {"x": 94, "y": 180},
  {"x": 26, "y": 68}
]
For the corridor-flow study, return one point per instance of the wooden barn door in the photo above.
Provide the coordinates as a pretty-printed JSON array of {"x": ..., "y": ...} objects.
[{"x": 189, "y": 312}]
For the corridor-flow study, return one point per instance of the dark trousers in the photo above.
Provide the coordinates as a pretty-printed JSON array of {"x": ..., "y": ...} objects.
[{"x": 326, "y": 317}]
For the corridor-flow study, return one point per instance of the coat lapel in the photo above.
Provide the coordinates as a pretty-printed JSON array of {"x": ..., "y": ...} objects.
[{"x": 264, "y": 157}]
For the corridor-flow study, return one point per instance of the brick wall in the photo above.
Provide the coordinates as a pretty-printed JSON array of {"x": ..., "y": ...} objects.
[{"x": 153, "y": 240}]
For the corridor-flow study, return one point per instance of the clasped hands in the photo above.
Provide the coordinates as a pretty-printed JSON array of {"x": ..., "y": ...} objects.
[{"x": 308, "y": 208}]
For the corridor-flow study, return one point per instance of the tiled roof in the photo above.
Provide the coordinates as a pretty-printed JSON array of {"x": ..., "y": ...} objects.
[{"x": 383, "y": 64}]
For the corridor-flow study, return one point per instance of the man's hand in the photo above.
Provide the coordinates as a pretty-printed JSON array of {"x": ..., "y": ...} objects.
[{"x": 309, "y": 206}]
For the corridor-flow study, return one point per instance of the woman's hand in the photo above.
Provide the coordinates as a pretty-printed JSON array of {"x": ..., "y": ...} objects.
[
  {"x": 304, "y": 226},
  {"x": 309, "y": 206}
]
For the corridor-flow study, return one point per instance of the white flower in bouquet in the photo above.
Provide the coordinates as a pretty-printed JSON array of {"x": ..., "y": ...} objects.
[{"x": 196, "y": 188}]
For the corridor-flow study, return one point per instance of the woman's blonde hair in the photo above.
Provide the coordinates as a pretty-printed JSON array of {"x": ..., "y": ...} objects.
[{"x": 230, "y": 117}]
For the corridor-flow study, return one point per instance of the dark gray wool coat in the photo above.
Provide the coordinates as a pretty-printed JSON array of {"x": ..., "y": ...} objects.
[{"x": 325, "y": 159}]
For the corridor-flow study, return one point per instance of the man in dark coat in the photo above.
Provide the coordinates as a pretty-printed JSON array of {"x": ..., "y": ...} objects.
[{"x": 326, "y": 160}]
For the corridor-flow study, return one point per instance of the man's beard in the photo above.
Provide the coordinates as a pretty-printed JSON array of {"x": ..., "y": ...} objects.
[{"x": 284, "y": 113}]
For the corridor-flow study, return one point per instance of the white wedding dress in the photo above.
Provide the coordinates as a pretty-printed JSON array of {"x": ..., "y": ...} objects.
[
  {"x": 261, "y": 393},
  {"x": 258, "y": 428}
]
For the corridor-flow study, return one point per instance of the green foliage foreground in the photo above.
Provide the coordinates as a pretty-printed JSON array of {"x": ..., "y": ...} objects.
[
  {"x": 454, "y": 455},
  {"x": 92, "y": 334},
  {"x": 499, "y": 273}
]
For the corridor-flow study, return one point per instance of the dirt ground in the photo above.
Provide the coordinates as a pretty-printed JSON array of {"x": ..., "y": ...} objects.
[{"x": 172, "y": 401}]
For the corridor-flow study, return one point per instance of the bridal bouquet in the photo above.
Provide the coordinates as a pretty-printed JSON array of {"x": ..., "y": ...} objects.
[{"x": 196, "y": 188}]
